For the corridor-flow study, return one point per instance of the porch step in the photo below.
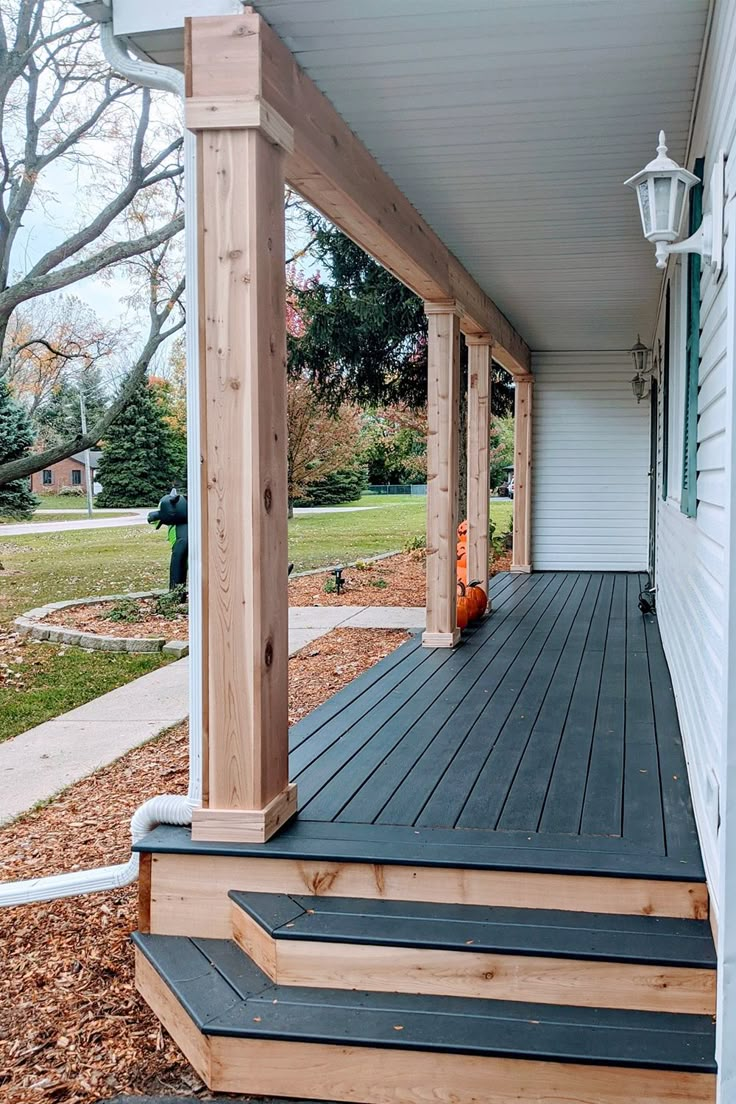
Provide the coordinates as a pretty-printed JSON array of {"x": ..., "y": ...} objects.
[
  {"x": 637, "y": 962},
  {"x": 244, "y": 1034}
]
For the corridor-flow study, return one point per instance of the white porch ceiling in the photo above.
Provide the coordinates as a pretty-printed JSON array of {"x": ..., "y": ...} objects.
[{"x": 510, "y": 125}]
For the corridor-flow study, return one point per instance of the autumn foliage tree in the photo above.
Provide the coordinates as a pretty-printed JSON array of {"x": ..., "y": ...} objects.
[{"x": 320, "y": 442}]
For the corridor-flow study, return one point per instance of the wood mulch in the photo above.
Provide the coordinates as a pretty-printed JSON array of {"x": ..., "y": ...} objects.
[
  {"x": 396, "y": 581},
  {"x": 73, "y": 1030},
  {"x": 94, "y": 619}
]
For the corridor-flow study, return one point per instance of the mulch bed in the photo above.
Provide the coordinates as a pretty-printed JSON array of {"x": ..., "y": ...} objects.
[
  {"x": 73, "y": 1030},
  {"x": 396, "y": 581},
  {"x": 93, "y": 619}
]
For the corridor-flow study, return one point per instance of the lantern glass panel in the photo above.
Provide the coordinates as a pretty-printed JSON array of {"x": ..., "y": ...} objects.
[
  {"x": 662, "y": 185},
  {"x": 679, "y": 205},
  {"x": 646, "y": 214}
]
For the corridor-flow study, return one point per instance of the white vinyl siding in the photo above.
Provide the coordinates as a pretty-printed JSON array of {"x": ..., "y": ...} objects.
[
  {"x": 590, "y": 484},
  {"x": 692, "y": 553}
]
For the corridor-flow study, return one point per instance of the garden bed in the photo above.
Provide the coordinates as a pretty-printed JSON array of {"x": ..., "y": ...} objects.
[
  {"x": 73, "y": 1029},
  {"x": 396, "y": 581},
  {"x": 113, "y": 623}
]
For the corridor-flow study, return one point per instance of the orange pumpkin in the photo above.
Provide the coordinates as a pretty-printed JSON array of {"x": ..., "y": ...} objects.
[
  {"x": 462, "y": 606},
  {"x": 462, "y": 532},
  {"x": 477, "y": 600}
]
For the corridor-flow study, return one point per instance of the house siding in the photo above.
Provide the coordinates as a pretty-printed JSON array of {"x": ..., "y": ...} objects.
[
  {"x": 693, "y": 554},
  {"x": 590, "y": 503}
]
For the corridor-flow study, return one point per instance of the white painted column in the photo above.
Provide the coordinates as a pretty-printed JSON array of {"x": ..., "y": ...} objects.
[
  {"x": 521, "y": 559},
  {"x": 443, "y": 410},
  {"x": 479, "y": 424}
]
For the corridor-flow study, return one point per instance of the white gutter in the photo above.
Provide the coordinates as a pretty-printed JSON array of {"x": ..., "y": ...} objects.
[{"x": 167, "y": 808}]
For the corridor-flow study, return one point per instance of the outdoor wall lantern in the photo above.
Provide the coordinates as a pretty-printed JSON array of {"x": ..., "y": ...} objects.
[
  {"x": 641, "y": 384},
  {"x": 662, "y": 189}
]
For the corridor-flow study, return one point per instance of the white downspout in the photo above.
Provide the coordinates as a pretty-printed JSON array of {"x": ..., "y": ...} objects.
[{"x": 166, "y": 808}]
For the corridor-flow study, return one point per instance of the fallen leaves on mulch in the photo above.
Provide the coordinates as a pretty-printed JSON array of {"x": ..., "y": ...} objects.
[
  {"x": 93, "y": 619},
  {"x": 396, "y": 581},
  {"x": 73, "y": 1030}
]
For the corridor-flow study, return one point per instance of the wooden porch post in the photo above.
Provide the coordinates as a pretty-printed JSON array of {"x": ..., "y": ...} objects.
[
  {"x": 244, "y": 499},
  {"x": 479, "y": 411},
  {"x": 521, "y": 559},
  {"x": 443, "y": 409}
]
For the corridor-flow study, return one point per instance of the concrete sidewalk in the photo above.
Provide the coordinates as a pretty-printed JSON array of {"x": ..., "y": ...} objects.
[
  {"x": 28, "y": 529},
  {"x": 37, "y": 764}
]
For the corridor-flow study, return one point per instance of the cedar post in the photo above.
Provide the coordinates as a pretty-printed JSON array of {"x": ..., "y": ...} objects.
[
  {"x": 479, "y": 408},
  {"x": 443, "y": 409},
  {"x": 521, "y": 559},
  {"x": 243, "y": 437}
]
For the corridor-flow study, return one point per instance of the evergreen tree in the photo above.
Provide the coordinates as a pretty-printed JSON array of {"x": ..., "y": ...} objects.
[
  {"x": 16, "y": 438},
  {"x": 345, "y": 485},
  {"x": 138, "y": 463},
  {"x": 60, "y": 417},
  {"x": 362, "y": 336}
]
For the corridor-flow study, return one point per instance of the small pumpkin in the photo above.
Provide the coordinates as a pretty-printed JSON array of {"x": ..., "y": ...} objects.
[
  {"x": 477, "y": 600},
  {"x": 462, "y": 532},
  {"x": 462, "y": 606}
]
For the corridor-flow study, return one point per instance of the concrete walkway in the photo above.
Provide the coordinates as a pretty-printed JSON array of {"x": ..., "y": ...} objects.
[
  {"x": 37, "y": 764},
  {"x": 27, "y": 529}
]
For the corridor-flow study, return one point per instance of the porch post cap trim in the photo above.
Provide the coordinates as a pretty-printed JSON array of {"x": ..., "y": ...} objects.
[
  {"x": 523, "y": 379},
  {"x": 479, "y": 339},
  {"x": 225, "y": 113},
  {"x": 443, "y": 306}
]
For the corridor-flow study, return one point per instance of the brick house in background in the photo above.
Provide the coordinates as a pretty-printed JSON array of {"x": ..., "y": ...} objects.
[{"x": 67, "y": 473}]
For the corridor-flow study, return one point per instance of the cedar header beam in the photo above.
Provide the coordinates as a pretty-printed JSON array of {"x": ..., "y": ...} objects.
[{"x": 234, "y": 61}]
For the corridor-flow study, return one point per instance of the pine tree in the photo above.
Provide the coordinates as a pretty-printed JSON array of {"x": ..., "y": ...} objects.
[
  {"x": 138, "y": 464},
  {"x": 60, "y": 417},
  {"x": 16, "y": 438}
]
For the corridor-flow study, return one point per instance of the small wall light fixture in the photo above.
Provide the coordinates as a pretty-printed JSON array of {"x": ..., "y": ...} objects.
[
  {"x": 662, "y": 188},
  {"x": 640, "y": 355}
]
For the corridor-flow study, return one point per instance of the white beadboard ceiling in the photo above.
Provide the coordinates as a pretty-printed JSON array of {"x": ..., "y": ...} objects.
[{"x": 511, "y": 125}]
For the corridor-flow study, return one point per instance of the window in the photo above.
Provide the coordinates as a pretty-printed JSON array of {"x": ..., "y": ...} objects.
[
  {"x": 689, "y": 496},
  {"x": 76, "y": 478},
  {"x": 48, "y": 478}
]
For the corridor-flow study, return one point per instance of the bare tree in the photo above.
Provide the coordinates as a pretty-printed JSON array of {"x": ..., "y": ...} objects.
[{"x": 60, "y": 107}]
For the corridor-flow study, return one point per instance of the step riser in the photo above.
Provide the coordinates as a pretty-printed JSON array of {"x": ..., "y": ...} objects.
[
  {"x": 473, "y": 974},
  {"x": 189, "y": 893},
  {"x": 385, "y": 1076}
]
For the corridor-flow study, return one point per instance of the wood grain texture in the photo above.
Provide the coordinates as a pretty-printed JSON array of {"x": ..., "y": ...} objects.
[
  {"x": 189, "y": 893},
  {"x": 479, "y": 975},
  {"x": 227, "y": 113},
  {"x": 241, "y": 243},
  {"x": 245, "y": 825},
  {"x": 157, "y": 995},
  {"x": 373, "y": 1075},
  {"x": 479, "y": 412},
  {"x": 242, "y": 58},
  {"x": 443, "y": 410},
  {"x": 522, "y": 549}
]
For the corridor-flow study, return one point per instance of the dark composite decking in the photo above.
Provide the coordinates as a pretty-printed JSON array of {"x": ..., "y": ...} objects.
[{"x": 548, "y": 739}]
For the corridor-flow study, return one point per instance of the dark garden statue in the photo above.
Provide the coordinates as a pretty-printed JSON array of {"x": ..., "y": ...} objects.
[{"x": 172, "y": 511}]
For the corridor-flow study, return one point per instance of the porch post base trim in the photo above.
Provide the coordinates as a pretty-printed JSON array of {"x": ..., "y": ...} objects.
[
  {"x": 244, "y": 825},
  {"x": 440, "y": 639},
  {"x": 521, "y": 569}
]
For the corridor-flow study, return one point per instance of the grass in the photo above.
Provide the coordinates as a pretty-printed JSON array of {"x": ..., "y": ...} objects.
[{"x": 39, "y": 681}]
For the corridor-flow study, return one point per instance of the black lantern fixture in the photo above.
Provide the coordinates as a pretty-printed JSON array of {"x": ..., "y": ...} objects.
[{"x": 640, "y": 384}]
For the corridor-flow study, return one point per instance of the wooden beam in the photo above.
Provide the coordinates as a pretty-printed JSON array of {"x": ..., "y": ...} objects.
[
  {"x": 479, "y": 411},
  {"x": 522, "y": 551},
  {"x": 443, "y": 409},
  {"x": 244, "y": 517},
  {"x": 240, "y": 58}
]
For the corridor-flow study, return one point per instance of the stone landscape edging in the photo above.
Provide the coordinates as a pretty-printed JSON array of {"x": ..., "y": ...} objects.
[{"x": 30, "y": 624}]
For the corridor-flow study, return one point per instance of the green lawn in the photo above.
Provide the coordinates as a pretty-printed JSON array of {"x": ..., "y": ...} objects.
[{"x": 54, "y": 566}]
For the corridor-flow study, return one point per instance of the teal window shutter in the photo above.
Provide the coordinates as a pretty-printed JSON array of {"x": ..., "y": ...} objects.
[
  {"x": 665, "y": 388},
  {"x": 689, "y": 496}
]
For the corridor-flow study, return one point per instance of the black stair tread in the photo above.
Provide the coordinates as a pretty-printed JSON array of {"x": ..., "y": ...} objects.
[
  {"x": 202, "y": 972},
  {"x": 550, "y": 933}
]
